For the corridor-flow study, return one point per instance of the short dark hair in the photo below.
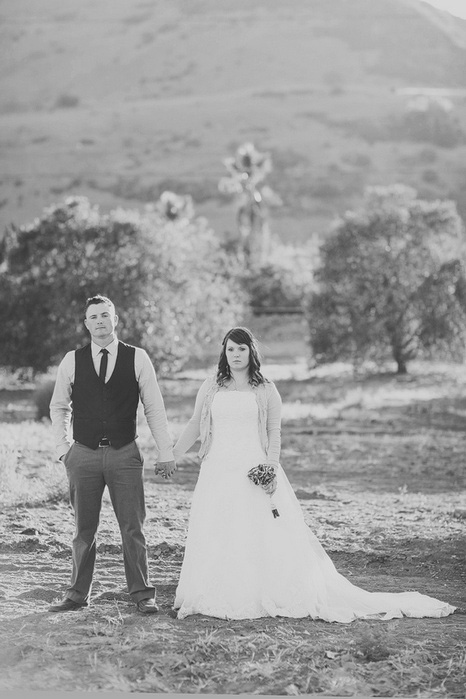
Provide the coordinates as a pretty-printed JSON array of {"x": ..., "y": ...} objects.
[
  {"x": 242, "y": 336},
  {"x": 98, "y": 298}
]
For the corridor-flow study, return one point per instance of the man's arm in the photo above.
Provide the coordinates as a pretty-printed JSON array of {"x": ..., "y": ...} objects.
[
  {"x": 154, "y": 408},
  {"x": 60, "y": 405}
]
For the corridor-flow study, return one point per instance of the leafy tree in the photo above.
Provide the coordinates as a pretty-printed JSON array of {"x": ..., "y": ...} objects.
[
  {"x": 392, "y": 275},
  {"x": 428, "y": 120},
  {"x": 281, "y": 283},
  {"x": 173, "y": 286}
]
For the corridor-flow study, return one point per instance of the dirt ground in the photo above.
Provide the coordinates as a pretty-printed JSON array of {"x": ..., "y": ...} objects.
[{"x": 378, "y": 465}]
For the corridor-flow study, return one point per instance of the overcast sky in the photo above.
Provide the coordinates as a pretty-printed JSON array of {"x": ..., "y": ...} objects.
[{"x": 456, "y": 7}]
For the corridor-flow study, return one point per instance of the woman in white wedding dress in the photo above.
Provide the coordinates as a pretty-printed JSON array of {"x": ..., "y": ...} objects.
[{"x": 240, "y": 561}]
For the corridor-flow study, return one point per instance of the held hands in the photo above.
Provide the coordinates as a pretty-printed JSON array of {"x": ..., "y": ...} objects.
[{"x": 165, "y": 468}]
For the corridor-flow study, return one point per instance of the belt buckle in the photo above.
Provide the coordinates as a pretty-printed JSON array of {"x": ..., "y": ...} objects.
[{"x": 105, "y": 442}]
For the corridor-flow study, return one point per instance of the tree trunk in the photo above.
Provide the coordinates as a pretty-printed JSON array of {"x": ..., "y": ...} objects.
[
  {"x": 401, "y": 357},
  {"x": 400, "y": 345},
  {"x": 402, "y": 366},
  {"x": 254, "y": 233}
]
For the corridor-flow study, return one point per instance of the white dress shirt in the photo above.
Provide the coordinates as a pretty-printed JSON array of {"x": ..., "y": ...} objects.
[{"x": 149, "y": 393}]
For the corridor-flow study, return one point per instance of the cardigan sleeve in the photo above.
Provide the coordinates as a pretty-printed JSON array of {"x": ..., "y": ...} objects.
[
  {"x": 274, "y": 413},
  {"x": 192, "y": 430}
]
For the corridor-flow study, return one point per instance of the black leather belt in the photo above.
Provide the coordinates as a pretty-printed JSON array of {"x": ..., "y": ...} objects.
[{"x": 105, "y": 442}]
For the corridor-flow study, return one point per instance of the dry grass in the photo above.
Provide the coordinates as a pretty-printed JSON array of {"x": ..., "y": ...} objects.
[
  {"x": 378, "y": 465},
  {"x": 28, "y": 473},
  {"x": 104, "y": 652}
]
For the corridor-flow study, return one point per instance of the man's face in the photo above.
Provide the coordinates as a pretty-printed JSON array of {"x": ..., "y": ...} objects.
[{"x": 101, "y": 321}]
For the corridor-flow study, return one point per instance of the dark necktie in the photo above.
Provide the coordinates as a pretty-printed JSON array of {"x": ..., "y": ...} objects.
[{"x": 103, "y": 364}]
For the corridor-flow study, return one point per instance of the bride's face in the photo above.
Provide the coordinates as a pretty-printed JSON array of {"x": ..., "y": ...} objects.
[{"x": 237, "y": 355}]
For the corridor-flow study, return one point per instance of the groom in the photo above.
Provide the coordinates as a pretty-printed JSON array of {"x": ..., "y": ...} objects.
[{"x": 100, "y": 386}]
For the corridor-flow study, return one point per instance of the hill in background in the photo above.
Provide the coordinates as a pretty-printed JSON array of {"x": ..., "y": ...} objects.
[{"x": 121, "y": 100}]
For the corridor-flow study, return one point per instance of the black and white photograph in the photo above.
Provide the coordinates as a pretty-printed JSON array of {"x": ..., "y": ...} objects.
[{"x": 233, "y": 348}]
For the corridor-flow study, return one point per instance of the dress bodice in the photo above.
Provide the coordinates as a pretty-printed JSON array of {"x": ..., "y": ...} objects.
[{"x": 235, "y": 427}]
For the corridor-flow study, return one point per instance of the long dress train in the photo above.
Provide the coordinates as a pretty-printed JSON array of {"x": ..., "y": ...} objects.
[{"x": 242, "y": 563}]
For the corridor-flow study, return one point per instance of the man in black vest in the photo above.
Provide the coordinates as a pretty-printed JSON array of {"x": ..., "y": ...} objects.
[{"x": 99, "y": 386}]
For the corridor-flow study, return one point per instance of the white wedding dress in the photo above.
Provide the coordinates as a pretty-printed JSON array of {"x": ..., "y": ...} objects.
[{"x": 242, "y": 563}]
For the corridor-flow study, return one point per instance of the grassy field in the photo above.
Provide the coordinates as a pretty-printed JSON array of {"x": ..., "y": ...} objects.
[{"x": 378, "y": 465}]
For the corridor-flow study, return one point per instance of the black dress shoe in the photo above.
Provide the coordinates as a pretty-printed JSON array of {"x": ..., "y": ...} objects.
[
  {"x": 147, "y": 606},
  {"x": 67, "y": 605}
]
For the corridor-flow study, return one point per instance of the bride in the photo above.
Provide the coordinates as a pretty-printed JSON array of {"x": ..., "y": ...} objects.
[{"x": 241, "y": 561}]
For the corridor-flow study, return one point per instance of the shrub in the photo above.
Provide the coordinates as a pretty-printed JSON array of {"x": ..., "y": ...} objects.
[
  {"x": 65, "y": 101},
  {"x": 427, "y": 122},
  {"x": 173, "y": 286},
  {"x": 42, "y": 396},
  {"x": 392, "y": 278},
  {"x": 281, "y": 283}
]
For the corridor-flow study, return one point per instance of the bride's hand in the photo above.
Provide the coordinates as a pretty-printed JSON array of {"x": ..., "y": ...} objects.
[
  {"x": 271, "y": 487},
  {"x": 165, "y": 468}
]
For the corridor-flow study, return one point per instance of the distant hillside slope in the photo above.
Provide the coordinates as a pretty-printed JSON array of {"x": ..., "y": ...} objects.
[
  {"x": 99, "y": 49},
  {"x": 117, "y": 100}
]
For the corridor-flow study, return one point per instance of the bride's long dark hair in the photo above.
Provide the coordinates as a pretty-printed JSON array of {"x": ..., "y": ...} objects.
[{"x": 242, "y": 336}]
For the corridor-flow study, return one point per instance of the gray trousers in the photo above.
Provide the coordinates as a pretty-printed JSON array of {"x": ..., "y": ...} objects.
[{"x": 121, "y": 470}]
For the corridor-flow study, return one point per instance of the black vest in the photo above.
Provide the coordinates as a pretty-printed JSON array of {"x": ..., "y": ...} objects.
[{"x": 105, "y": 410}]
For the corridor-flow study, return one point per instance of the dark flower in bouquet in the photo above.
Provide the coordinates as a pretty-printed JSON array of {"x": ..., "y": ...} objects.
[{"x": 263, "y": 475}]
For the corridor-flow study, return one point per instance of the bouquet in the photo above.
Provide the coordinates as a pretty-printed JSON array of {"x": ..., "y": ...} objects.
[{"x": 262, "y": 475}]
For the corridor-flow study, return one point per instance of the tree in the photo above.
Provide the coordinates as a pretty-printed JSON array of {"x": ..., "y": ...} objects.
[
  {"x": 430, "y": 120},
  {"x": 247, "y": 170},
  {"x": 391, "y": 276},
  {"x": 280, "y": 285},
  {"x": 172, "y": 284}
]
